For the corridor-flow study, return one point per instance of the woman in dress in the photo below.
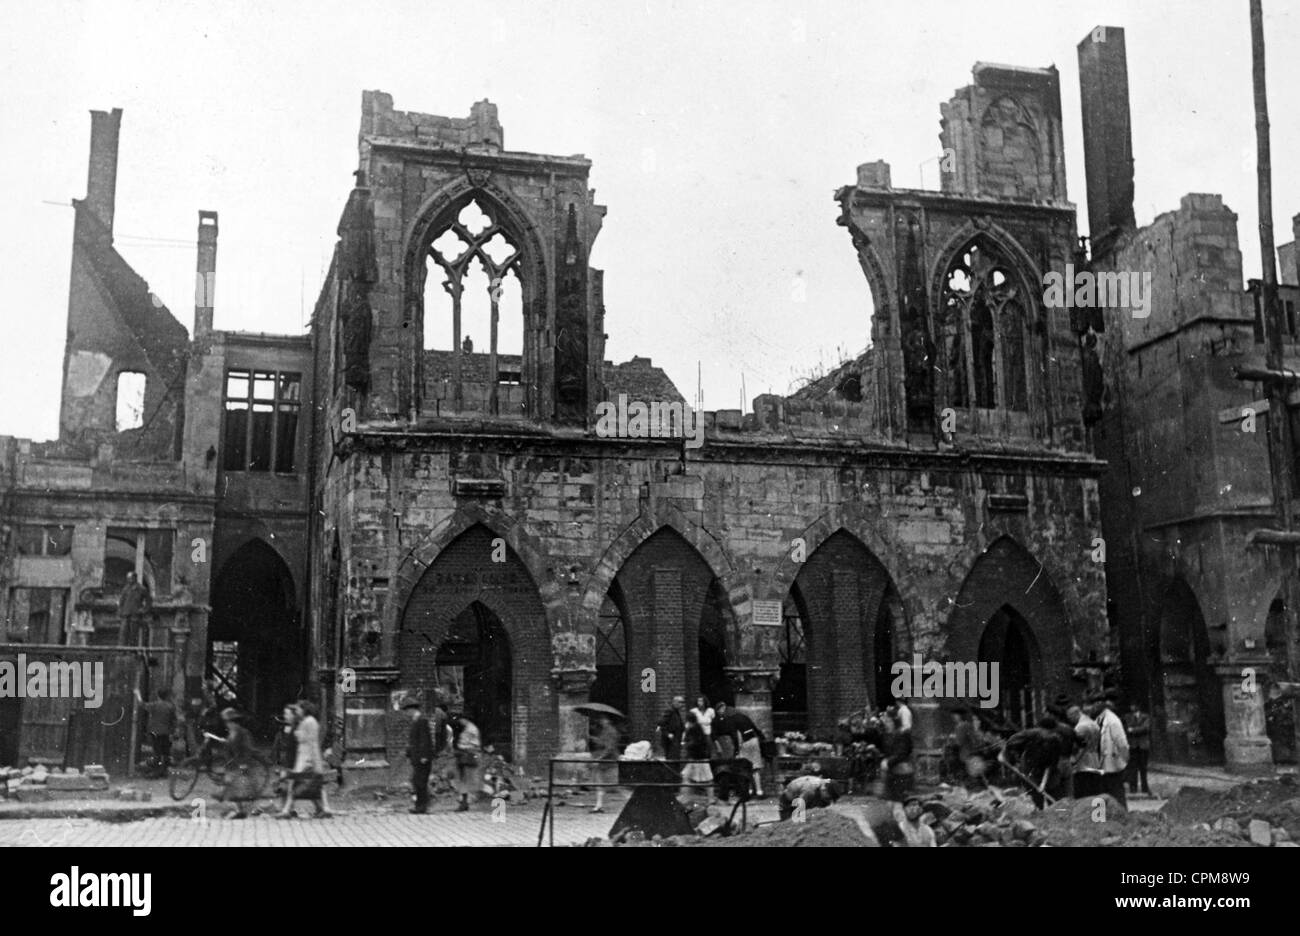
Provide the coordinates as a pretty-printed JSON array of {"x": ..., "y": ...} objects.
[
  {"x": 695, "y": 747},
  {"x": 468, "y": 746},
  {"x": 309, "y": 765},
  {"x": 704, "y": 714}
]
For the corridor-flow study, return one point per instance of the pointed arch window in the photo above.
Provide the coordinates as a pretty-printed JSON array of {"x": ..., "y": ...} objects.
[
  {"x": 983, "y": 321},
  {"x": 473, "y": 301}
]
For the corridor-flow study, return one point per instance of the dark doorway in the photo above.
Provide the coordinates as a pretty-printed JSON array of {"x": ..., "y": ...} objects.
[
  {"x": 255, "y": 643},
  {"x": 612, "y": 677},
  {"x": 790, "y": 694},
  {"x": 474, "y": 673},
  {"x": 1279, "y": 710},
  {"x": 1008, "y": 641},
  {"x": 886, "y": 646},
  {"x": 713, "y": 649},
  {"x": 1193, "y": 695}
]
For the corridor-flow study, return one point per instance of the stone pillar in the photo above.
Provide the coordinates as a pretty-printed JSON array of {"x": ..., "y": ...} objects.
[
  {"x": 1246, "y": 747},
  {"x": 753, "y": 689},
  {"x": 572, "y": 688}
]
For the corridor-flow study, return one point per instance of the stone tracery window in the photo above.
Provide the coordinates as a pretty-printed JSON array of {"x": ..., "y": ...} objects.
[
  {"x": 983, "y": 322},
  {"x": 478, "y": 266}
]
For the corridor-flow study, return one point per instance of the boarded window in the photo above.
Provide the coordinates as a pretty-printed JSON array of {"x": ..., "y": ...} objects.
[
  {"x": 130, "y": 400},
  {"x": 44, "y": 540},
  {"x": 37, "y": 615}
]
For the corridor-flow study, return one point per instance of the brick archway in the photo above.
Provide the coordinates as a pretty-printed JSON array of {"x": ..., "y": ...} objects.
[
  {"x": 677, "y": 624},
  {"x": 465, "y": 574},
  {"x": 851, "y": 624},
  {"x": 1007, "y": 578},
  {"x": 518, "y": 538},
  {"x": 856, "y": 523},
  {"x": 616, "y": 554}
]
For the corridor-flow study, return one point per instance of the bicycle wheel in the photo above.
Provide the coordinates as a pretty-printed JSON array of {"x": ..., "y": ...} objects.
[{"x": 183, "y": 778}]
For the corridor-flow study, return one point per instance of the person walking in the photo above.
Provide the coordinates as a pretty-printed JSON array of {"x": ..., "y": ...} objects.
[
  {"x": 603, "y": 745},
  {"x": 468, "y": 746},
  {"x": 1137, "y": 725},
  {"x": 309, "y": 767},
  {"x": 725, "y": 735},
  {"x": 1113, "y": 744},
  {"x": 751, "y": 745},
  {"x": 419, "y": 751},
  {"x": 239, "y": 786},
  {"x": 160, "y": 723},
  {"x": 284, "y": 753},
  {"x": 671, "y": 728},
  {"x": 695, "y": 745}
]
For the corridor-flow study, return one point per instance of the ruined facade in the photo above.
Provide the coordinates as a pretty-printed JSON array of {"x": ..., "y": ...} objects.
[
  {"x": 414, "y": 498},
  {"x": 478, "y": 537},
  {"x": 1196, "y": 603},
  {"x": 147, "y": 478}
]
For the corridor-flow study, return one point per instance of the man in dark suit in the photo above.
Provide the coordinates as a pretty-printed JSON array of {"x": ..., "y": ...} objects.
[
  {"x": 671, "y": 728},
  {"x": 419, "y": 751}
]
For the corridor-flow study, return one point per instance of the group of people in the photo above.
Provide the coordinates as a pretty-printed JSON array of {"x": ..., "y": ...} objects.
[
  {"x": 708, "y": 733},
  {"x": 217, "y": 735},
  {"x": 301, "y": 762},
  {"x": 1074, "y": 750},
  {"x": 879, "y": 742},
  {"x": 434, "y": 735}
]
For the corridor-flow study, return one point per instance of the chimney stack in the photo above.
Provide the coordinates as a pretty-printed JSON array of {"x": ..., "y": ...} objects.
[
  {"x": 205, "y": 276},
  {"x": 1107, "y": 136},
  {"x": 101, "y": 184}
]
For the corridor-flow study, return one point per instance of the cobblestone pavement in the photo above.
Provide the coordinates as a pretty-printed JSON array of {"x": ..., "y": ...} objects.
[{"x": 366, "y": 828}]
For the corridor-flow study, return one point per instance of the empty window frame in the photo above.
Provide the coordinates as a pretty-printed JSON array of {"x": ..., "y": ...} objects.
[
  {"x": 983, "y": 321},
  {"x": 130, "y": 400},
  {"x": 262, "y": 411},
  {"x": 147, "y": 553},
  {"x": 472, "y": 270}
]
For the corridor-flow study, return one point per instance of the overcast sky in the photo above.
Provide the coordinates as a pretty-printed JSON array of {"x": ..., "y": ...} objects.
[{"x": 719, "y": 133}]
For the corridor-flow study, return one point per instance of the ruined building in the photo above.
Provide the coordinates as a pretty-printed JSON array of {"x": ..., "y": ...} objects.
[
  {"x": 1196, "y": 600},
  {"x": 413, "y": 498}
]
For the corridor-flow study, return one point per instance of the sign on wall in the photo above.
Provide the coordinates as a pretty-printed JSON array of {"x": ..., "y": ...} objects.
[{"x": 767, "y": 613}]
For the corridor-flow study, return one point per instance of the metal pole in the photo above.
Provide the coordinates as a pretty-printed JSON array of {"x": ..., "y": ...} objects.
[{"x": 1280, "y": 443}]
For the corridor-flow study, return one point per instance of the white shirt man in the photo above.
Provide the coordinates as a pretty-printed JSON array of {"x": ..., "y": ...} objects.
[{"x": 1114, "y": 753}]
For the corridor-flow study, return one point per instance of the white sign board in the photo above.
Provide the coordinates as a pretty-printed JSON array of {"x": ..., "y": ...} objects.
[{"x": 767, "y": 613}]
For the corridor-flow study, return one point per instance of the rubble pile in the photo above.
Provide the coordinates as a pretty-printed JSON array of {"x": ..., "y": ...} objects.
[
  {"x": 38, "y": 782},
  {"x": 989, "y": 817}
]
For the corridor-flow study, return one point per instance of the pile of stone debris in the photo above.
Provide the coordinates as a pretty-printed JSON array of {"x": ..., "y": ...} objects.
[{"x": 38, "y": 782}]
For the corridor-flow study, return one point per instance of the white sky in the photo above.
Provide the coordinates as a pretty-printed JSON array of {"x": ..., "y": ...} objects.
[{"x": 718, "y": 133}]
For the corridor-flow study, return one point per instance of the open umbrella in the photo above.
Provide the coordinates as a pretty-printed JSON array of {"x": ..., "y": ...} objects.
[{"x": 598, "y": 708}]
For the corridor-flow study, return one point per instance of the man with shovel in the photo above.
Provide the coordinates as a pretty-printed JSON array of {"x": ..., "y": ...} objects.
[{"x": 1032, "y": 755}]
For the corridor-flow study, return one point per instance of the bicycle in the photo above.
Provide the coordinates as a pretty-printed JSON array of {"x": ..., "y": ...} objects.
[{"x": 184, "y": 777}]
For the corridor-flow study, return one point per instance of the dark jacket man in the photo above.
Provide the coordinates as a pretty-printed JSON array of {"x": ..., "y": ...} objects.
[
  {"x": 419, "y": 751},
  {"x": 671, "y": 728}
]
